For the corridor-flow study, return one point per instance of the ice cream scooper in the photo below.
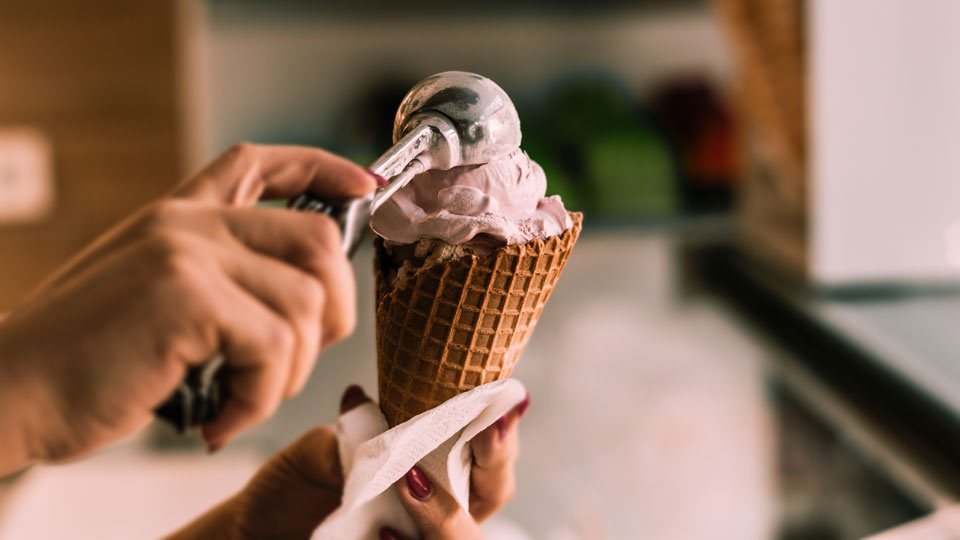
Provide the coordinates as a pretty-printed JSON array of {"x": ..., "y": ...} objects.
[{"x": 447, "y": 120}]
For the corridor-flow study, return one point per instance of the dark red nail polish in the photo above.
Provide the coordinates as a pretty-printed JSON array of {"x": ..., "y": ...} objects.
[
  {"x": 501, "y": 427},
  {"x": 418, "y": 483},
  {"x": 381, "y": 181},
  {"x": 386, "y": 533},
  {"x": 352, "y": 397},
  {"x": 521, "y": 407}
]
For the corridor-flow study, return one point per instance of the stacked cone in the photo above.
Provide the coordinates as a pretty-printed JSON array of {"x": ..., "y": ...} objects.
[{"x": 448, "y": 327}]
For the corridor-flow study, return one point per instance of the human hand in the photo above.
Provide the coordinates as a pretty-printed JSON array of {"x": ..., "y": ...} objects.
[
  {"x": 104, "y": 341},
  {"x": 437, "y": 514},
  {"x": 300, "y": 486}
]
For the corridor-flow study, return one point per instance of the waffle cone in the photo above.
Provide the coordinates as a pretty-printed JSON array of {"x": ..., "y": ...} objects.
[{"x": 452, "y": 326}]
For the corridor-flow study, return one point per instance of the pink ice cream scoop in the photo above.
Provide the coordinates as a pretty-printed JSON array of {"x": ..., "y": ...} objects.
[
  {"x": 500, "y": 202},
  {"x": 448, "y": 120}
]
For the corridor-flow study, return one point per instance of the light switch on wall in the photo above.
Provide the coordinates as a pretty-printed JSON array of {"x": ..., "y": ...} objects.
[{"x": 26, "y": 175}]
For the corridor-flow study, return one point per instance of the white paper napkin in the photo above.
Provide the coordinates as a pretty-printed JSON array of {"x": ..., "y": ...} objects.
[{"x": 374, "y": 457}]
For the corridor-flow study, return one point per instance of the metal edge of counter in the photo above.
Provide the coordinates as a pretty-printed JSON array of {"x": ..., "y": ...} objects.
[{"x": 906, "y": 430}]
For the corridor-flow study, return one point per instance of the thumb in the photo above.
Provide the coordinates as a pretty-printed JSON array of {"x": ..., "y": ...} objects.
[
  {"x": 248, "y": 172},
  {"x": 436, "y": 513}
]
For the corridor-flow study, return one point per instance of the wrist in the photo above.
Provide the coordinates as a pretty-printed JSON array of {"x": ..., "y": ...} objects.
[{"x": 19, "y": 397}]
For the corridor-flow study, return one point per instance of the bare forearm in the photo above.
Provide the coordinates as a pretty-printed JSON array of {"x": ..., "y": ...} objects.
[
  {"x": 14, "y": 449},
  {"x": 16, "y": 404}
]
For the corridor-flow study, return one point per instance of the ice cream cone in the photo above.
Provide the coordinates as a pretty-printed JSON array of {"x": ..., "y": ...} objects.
[{"x": 447, "y": 327}]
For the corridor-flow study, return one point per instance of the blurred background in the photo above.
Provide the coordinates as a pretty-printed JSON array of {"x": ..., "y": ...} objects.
[{"x": 755, "y": 337}]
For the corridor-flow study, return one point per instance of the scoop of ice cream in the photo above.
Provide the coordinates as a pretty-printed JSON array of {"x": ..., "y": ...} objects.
[{"x": 500, "y": 202}]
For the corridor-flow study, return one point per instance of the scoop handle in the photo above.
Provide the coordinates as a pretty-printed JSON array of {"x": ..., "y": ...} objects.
[
  {"x": 199, "y": 398},
  {"x": 352, "y": 216}
]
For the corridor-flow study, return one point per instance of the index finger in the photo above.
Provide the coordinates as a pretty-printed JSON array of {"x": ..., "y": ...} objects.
[{"x": 247, "y": 173}]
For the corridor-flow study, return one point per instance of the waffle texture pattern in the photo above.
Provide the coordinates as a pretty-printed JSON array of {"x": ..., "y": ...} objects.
[{"x": 451, "y": 326}]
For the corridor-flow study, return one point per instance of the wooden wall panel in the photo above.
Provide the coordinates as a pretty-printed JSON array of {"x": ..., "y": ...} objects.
[{"x": 100, "y": 78}]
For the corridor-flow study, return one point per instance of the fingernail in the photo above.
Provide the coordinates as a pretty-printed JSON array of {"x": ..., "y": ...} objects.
[
  {"x": 381, "y": 181},
  {"x": 352, "y": 396},
  {"x": 386, "y": 533},
  {"x": 502, "y": 427},
  {"x": 418, "y": 483},
  {"x": 521, "y": 407},
  {"x": 213, "y": 448}
]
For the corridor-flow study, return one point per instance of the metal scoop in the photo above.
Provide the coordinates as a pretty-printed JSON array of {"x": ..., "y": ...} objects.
[{"x": 447, "y": 120}]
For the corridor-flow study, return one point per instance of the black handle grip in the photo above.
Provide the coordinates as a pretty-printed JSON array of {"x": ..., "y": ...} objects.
[
  {"x": 199, "y": 398},
  {"x": 352, "y": 216},
  {"x": 310, "y": 203}
]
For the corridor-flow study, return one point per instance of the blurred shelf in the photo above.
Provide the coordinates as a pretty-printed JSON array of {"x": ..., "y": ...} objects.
[
  {"x": 890, "y": 363},
  {"x": 438, "y": 7},
  {"x": 712, "y": 225}
]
